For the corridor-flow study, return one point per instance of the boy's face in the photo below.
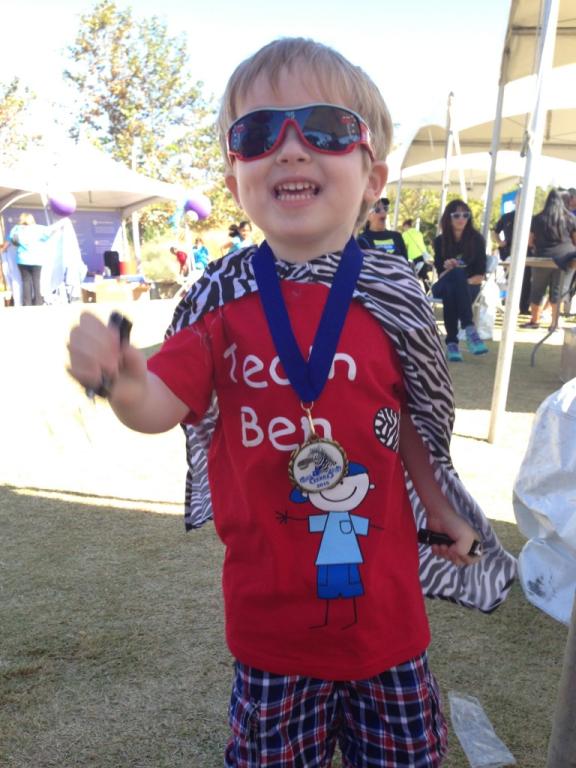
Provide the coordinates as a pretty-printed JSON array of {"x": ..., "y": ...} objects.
[{"x": 305, "y": 202}]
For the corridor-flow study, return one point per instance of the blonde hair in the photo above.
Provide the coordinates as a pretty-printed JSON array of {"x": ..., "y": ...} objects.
[
  {"x": 334, "y": 74},
  {"x": 26, "y": 218}
]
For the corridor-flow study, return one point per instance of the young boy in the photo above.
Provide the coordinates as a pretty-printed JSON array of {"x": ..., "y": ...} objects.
[{"x": 302, "y": 457}]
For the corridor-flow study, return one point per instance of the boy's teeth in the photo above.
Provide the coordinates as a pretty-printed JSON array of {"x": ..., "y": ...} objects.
[{"x": 296, "y": 189}]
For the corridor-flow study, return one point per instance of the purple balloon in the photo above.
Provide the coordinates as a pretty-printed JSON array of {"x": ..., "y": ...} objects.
[
  {"x": 63, "y": 203},
  {"x": 199, "y": 204}
]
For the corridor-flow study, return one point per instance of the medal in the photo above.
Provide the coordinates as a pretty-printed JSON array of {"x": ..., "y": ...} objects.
[{"x": 319, "y": 463}]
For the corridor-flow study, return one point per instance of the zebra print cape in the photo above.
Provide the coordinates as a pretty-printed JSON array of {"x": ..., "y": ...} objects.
[{"x": 387, "y": 288}]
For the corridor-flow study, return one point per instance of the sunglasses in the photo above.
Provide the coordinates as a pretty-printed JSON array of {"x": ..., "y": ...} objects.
[
  {"x": 460, "y": 215},
  {"x": 325, "y": 128},
  {"x": 382, "y": 209}
]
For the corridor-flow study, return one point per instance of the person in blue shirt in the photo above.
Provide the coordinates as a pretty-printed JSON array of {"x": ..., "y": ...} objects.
[
  {"x": 29, "y": 239},
  {"x": 240, "y": 237},
  {"x": 200, "y": 254}
]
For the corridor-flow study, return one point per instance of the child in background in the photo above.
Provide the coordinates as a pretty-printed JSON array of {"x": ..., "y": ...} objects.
[
  {"x": 182, "y": 261},
  {"x": 200, "y": 254},
  {"x": 315, "y": 502}
]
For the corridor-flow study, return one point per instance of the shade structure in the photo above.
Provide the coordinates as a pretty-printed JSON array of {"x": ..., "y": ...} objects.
[
  {"x": 428, "y": 142},
  {"x": 105, "y": 193},
  {"x": 541, "y": 35},
  {"x": 550, "y": 171},
  {"x": 95, "y": 179},
  {"x": 520, "y": 57},
  {"x": 540, "y": 48}
]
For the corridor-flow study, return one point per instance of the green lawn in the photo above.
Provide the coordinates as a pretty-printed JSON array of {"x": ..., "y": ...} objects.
[{"x": 111, "y": 638}]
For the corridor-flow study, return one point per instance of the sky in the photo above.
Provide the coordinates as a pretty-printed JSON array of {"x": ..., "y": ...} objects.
[{"x": 416, "y": 51}]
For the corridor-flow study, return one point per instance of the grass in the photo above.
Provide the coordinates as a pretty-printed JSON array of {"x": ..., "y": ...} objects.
[
  {"x": 113, "y": 653},
  {"x": 111, "y": 647}
]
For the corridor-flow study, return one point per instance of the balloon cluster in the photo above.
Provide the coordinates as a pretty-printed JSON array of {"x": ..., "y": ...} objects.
[{"x": 64, "y": 204}]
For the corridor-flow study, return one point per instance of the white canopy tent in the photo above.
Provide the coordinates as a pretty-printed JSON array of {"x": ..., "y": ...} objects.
[
  {"x": 93, "y": 177},
  {"x": 522, "y": 54},
  {"x": 536, "y": 116},
  {"x": 98, "y": 184},
  {"x": 431, "y": 142},
  {"x": 541, "y": 34},
  {"x": 474, "y": 169}
]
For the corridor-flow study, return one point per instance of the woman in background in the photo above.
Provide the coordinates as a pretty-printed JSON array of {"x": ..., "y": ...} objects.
[
  {"x": 460, "y": 262},
  {"x": 240, "y": 237},
  {"x": 29, "y": 239},
  {"x": 553, "y": 236}
]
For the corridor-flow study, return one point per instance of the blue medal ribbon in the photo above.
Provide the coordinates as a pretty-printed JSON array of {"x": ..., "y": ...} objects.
[{"x": 307, "y": 378}]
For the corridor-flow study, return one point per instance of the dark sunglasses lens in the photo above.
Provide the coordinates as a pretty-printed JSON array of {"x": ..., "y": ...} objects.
[
  {"x": 255, "y": 134},
  {"x": 329, "y": 128}
]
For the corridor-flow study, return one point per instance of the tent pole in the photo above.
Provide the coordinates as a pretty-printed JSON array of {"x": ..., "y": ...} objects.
[
  {"x": 522, "y": 220},
  {"x": 447, "y": 154},
  {"x": 397, "y": 201},
  {"x": 136, "y": 241},
  {"x": 136, "y": 146},
  {"x": 489, "y": 194},
  {"x": 458, "y": 153}
]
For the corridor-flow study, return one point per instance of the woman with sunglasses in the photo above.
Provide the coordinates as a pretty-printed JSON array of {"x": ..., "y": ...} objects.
[{"x": 460, "y": 262}]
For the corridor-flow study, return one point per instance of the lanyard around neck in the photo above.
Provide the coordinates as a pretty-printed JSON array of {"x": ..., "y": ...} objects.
[{"x": 307, "y": 378}]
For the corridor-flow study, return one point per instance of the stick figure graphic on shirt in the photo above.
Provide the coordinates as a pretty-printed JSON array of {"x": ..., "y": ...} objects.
[{"x": 339, "y": 554}]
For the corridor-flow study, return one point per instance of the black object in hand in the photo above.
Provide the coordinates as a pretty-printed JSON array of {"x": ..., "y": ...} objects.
[
  {"x": 123, "y": 326},
  {"x": 426, "y": 536}
]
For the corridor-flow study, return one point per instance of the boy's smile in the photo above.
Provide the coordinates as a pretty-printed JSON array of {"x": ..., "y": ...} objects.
[{"x": 304, "y": 201}]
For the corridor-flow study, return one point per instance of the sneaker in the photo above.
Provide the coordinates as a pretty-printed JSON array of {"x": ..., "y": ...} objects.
[
  {"x": 474, "y": 343},
  {"x": 530, "y": 325},
  {"x": 453, "y": 353}
]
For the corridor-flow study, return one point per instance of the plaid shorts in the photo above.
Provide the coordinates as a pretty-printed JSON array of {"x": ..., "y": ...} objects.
[{"x": 287, "y": 721}]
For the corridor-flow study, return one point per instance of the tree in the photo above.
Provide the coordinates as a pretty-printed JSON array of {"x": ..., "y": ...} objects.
[
  {"x": 137, "y": 99},
  {"x": 15, "y": 100}
]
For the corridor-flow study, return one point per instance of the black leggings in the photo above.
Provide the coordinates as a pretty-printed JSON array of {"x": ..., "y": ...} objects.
[
  {"x": 30, "y": 284},
  {"x": 457, "y": 300}
]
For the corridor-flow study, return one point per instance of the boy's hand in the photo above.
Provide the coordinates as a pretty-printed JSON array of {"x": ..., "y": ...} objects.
[
  {"x": 97, "y": 354},
  {"x": 463, "y": 537}
]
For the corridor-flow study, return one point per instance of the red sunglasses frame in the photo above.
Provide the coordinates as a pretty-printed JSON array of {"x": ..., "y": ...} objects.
[{"x": 363, "y": 141}]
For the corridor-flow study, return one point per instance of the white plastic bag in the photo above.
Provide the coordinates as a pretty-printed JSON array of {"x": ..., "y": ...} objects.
[
  {"x": 475, "y": 733},
  {"x": 545, "y": 506},
  {"x": 485, "y": 308}
]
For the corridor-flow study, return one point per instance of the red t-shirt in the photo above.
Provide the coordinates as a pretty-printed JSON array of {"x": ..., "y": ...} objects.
[{"x": 325, "y": 585}]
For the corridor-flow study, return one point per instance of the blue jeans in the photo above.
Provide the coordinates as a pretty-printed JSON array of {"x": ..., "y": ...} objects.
[{"x": 456, "y": 297}]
